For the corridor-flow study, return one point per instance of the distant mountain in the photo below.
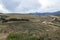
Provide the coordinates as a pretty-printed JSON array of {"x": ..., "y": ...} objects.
[{"x": 46, "y": 13}]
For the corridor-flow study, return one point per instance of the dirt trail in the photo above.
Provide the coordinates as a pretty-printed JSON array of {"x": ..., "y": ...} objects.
[{"x": 3, "y": 36}]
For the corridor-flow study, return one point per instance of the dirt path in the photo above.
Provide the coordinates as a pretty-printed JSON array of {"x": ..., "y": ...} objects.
[{"x": 3, "y": 36}]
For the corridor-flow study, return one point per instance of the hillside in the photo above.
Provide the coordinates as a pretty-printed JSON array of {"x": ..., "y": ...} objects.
[{"x": 11, "y": 23}]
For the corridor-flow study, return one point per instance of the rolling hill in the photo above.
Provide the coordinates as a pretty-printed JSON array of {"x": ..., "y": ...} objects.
[{"x": 39, "y": 25}]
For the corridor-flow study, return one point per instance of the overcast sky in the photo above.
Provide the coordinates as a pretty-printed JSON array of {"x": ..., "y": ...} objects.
[{"x": 29, "y": 6}]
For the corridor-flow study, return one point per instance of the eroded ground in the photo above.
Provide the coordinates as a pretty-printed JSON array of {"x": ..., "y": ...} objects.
[{"x": 36, "y": 24}]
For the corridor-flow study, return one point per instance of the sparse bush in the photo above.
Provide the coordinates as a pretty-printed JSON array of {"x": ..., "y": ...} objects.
[
  {"x": 3, "y": 18},
  {"x": 56, "y": 22},
  {"x": 26, "y": 36}
]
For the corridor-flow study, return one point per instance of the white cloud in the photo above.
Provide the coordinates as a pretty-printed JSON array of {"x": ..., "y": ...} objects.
[
  {"x": 10, "y": 4},
  {"x": 44, "y": 6},
  {"x": 29, "y": 6},
  {"x": 3, "y": 10},
  {"x": 49, "y": 5}
]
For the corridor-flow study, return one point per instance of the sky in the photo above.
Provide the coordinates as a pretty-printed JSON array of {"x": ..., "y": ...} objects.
[{"x": 29, "y": 6}]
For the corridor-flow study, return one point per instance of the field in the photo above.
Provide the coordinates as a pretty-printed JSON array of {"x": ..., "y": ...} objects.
[{"x": 29, "y": 27}]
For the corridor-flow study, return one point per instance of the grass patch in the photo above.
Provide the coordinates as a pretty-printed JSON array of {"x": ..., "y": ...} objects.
[{"x": 27, "y": 36}]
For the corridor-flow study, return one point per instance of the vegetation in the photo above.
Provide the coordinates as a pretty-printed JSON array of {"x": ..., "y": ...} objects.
[
  {"x": 29, "y": 27},
  {"x": 57, "y": 21},
  {"x": 27, "y": 36}
]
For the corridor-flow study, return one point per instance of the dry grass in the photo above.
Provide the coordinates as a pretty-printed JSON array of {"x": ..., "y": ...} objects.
[{"x": 36, "y": 24}]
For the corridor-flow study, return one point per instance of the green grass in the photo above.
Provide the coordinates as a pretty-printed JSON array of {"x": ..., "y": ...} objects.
[
  {"x": 56, "y": 22},
  {"x": 26, "y": 36}
]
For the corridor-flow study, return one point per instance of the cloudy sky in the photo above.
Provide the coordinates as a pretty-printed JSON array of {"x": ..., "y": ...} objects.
[{"x": 29, "y": 6}]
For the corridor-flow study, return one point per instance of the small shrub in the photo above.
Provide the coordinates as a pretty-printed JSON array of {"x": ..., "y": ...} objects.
[{"x": 26, "y": 36}]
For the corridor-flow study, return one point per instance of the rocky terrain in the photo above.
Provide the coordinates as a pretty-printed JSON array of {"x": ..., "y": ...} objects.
[{"x": 11, "y": 23}]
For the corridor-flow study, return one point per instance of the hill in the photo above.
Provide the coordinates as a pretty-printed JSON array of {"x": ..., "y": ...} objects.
[
  {"x": 39, "y": 25},
  {"x": 46, "y": 13}
]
